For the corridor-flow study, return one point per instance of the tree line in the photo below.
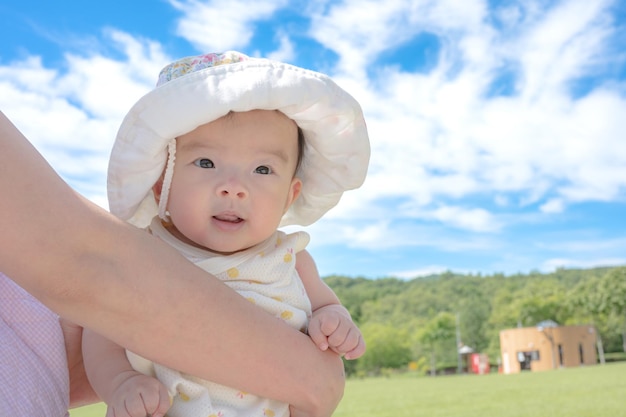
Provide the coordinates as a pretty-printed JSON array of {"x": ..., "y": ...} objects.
[{"x": 418, "y": 323}]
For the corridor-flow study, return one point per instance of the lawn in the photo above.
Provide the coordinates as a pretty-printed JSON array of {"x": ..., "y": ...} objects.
[{"x": 574, "y": 392}]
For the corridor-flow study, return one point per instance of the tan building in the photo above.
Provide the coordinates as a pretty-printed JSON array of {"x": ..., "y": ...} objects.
[{"x": 547, "y": 346}]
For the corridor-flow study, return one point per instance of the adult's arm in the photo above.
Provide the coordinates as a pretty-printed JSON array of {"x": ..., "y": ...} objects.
[{"x": 104, "y": 274}]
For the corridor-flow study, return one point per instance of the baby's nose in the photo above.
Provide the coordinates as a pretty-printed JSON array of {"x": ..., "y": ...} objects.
[{"x": 233, "y": 188}]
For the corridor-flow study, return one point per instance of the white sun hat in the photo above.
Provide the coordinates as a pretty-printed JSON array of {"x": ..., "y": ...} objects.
[{"x": 197, "y": 90}]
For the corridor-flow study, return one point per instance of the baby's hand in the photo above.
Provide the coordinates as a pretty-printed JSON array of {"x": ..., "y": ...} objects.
[
  {"x": 332, "y": 327},
  {"x": 139, "y": 395}
]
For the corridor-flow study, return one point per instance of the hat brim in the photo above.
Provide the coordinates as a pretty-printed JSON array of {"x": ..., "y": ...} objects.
[{"x": 336, "y": 155}]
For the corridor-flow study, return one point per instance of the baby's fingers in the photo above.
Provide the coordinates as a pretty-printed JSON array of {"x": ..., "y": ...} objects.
[
  {"x": 358, "y": 350},
  {"x": 156, "y": 402},
  {"x": 347, "y": 340},
  {"x": 139, "y": 396},
  {"x": 318, "y": 331}
]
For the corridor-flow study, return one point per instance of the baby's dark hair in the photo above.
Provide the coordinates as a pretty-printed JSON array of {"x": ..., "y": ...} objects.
[{"x": 301, "y": 145}]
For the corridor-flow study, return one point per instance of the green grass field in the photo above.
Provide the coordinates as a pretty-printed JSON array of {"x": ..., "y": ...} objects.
[{"x": 595, "y": 391}]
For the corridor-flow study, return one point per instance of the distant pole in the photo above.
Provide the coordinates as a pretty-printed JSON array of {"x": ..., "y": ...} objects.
[
  {"x": 552, "y": 348},
  {"x": 458, "y": 345},
  {"x": 600, "y": 347}
]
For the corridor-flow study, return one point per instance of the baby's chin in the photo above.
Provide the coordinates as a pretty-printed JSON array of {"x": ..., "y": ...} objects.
[{"x": 226, "y": 249}]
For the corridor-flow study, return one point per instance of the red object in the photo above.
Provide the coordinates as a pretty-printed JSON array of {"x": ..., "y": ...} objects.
[{"x": 479, "y": 363}]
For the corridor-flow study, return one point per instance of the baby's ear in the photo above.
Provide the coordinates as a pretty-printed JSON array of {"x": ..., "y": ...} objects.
[
  {"x": 294, "y": 192},
  {"x": 157, "y": 188}
]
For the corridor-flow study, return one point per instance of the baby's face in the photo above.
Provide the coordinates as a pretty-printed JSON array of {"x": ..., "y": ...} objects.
[{"x": 234, "y": 179}]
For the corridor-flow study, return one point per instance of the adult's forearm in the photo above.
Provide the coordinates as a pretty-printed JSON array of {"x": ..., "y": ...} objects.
[{"x": 128, "y": 286}]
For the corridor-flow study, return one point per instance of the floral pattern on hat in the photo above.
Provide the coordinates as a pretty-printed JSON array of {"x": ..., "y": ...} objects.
[{"x": 196, "y": 63}]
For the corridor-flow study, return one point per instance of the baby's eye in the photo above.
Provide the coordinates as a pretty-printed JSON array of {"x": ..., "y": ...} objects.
[
  {"x": 265, "y": 170},
  {"x": 204, "y": 163}
]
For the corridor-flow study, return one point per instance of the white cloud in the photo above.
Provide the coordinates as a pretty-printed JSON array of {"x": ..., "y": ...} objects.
[
  {"x": 72, "y": 116},
  {"x": 553, "y": 206},
  {"x": 285, "y": 51},
  {"x": 388, "y": 233},
  {"x": 220, "y": 25},
  {"x": 560, "y": 45},
  {"x": 476, "y": 219},
  {"x": 107, "y": 87},
  {"x": 553, "y": 264},
  {"x": 585, "y": 244},
  {"x": 421, "y": 272},
  {"x": 442, "y": 134},
  {"x": 359, "y": 30}
]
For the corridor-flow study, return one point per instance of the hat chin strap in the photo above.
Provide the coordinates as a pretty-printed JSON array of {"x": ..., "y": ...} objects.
[{"x": 167, "y": 180}]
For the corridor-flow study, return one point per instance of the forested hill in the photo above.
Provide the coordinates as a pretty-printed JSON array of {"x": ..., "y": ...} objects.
[{"x": 422, "y": 313}]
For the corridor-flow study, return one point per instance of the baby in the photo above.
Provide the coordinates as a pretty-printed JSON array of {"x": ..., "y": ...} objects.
[{"x": 222, "y": 153}]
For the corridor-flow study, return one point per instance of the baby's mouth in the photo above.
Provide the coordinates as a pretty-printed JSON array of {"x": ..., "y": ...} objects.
[{"x": 229, "y": 218}]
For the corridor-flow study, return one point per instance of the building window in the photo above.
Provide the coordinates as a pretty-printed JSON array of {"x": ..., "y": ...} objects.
[{"x": 525, "y": 358}]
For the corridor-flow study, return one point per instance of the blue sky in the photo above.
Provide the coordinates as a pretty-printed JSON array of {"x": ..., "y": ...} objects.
[{"x": 498, "y": 128}]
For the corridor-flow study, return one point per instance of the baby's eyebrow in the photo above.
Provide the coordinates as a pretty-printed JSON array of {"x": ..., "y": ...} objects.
[
  {"x": 192, "y": 145},
  {"x": 280, "y": 154}
]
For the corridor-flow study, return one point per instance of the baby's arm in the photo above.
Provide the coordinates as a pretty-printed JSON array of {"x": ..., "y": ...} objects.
[
  {"x": 331, "y": 325},
  {"x": 126, "y": 392}
]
